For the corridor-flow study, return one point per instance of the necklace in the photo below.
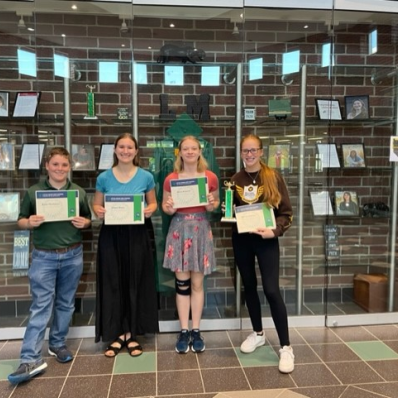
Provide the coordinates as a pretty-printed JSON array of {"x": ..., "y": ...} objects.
[{"x": 254, "y": 179}]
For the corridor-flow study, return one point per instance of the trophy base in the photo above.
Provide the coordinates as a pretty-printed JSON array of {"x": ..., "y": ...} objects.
[
  {"x": 91, "y": 117},
  {"x": 225, "y": 219}
]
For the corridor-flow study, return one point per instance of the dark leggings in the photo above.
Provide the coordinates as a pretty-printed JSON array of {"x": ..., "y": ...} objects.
[{"x": 246, "y": 248}]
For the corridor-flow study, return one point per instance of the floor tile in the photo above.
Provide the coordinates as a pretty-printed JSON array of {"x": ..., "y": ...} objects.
[
  {"x": 313, "y": 375},
  {"x": 321, "y": 392},
  {"x": 356, "y": 392},
  {"x": 167, "y": 360},
  {"x": 7, "y": 367},
  {"x": 124, "y": 363},
  {"x": 40, "y": 387},
  {"x": 354, "y": 372},
  {"x": 179, "y": 382},
  {"x": 387, "y": 369},
  {"x": 372, "y": 350},
  {"x": 354, "y": 334},
  {"x": 136, "y": 385},
  {"x": 384, "y": 332},
  {"x": 92, "y": 365},
  {"x": 218, "y": 380},
  {"x": 86, "y": 387},
  {"x": 318, "y": 335},
  {"x": 261, "y": 378},
  {"x": 222, "y": 358},
  {"x": 386, "y": 389},
  {"x": 334, "y": 352},
  {"x": 263, "y": 356}
]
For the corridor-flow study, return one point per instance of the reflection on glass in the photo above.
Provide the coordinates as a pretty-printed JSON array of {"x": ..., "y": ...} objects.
[
  {"x": 140, "y": 74},
  {"x": 174, "y": 75},
  {"x": 108, "y": 72},
  {"x": 256, "y": 69},
  {"x": 27, "y": 63},
  {"x": 373, "y": 42},
  {"x": 290, "y": 62},
  {"x": 210, "y": 76},
  {"x": 61, "y": 66}
]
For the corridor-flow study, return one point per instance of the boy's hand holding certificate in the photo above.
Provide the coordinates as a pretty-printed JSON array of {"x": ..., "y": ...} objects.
[
  {"x": 251, "y": 217},
  {"x": 189, "y": 192},
  {"x": 124, "y": 209}
]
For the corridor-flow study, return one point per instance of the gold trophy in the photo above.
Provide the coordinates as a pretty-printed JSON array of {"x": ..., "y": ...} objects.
[
  {"x": 90, "y": 103},
  {"x": 229, "y": 203}
]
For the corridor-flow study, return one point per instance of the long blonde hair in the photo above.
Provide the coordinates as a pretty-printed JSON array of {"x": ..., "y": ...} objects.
[
  {"x": 179, "y": 163},
  {"x": 272, "y": 196}
]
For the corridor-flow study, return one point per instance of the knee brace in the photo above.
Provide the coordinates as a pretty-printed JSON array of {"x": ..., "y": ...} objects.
[{"x": 185, "y": 283}]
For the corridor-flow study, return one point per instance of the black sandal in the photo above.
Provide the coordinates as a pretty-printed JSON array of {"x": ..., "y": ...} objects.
[
  {"x": 114, "y": 349},
  {"x": 133, "y": 348}
]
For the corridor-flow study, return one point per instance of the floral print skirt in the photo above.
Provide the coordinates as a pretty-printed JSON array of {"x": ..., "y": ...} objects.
[{"x": 189, "y": 244}]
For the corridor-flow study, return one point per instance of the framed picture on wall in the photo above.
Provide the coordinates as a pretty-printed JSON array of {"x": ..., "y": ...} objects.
[
  {"x": 83, "y": 157},
  {"x": 346, "y": 203},
  {"x": 328, "y": 109},
  {"x": 328, "y": 155},
  {"x": 356, "y": 107},
  {"x": 7, "y": 156},
  {"x": 106, "y": 157},
  {"x": 9, "y": 206},
  {"x": 321, "y": 203},
  {"x": 4, "y": 104},
  {"x": 26, "y": 104},
  {"x": 279, "y": 157},
  {"x": 31, "y": 156},
  {"x": 353, "y": 155}
]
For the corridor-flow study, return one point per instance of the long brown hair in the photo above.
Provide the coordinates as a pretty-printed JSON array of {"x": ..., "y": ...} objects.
[
  {"x": 179, "y": 163},
  {"x": 272, "y": 196},
  {"x": 136, "y": 160}
]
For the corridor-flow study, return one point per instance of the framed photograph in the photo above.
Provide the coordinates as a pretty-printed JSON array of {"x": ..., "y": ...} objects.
[
  {"x": 328, "y": 109},
  {"x": 83, "y": 157},
  {"x": 328, "y": 155},
  {"x": 9, "y": 207},
  {"x": 321, "y": 203},
  {"x": 353, "y": 155},
  {"x": 7, "y": 156},
  {"x": 26, "y": 104},
  {"x": 106, "y": 157},
  {"x": 4, "y": 104},
  {"x": 356, "y": 107},
  {"x": 31, "y": 156},
  {"x": 393, "y": 149},
  {"x": 346, "y": 203},
  {"x": 279, "y": 157}
]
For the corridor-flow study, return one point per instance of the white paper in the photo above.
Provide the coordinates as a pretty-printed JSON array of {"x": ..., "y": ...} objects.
[
  {"x": 328, "y": 156},
  {"x": 321, "y": 203},
  {"x": 31, "y": 157},
  {"x": 106, "y": 157}
]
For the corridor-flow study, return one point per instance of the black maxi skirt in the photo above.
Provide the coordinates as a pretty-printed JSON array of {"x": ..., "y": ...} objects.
[{"x": 126, "y": 298}]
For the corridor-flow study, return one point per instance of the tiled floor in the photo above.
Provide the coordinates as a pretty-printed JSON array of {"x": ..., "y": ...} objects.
[{"x": 352, "y": 362}]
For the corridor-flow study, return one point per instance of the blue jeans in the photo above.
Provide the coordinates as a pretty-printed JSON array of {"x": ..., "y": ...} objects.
[{"x": 54, "y": 278}]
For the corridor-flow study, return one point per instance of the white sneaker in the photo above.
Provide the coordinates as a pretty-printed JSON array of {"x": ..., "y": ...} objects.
[
  {"x": 252, "y": 342},
  {"x": 286, "y": 359}
]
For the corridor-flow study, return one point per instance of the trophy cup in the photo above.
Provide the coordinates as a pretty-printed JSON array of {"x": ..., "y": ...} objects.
[
  {"x": 90, "y": 103},
  {"x": 229, "y": 203}
]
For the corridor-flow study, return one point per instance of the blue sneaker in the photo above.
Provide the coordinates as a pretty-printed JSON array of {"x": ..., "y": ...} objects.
[
  {"x": 197, "y": 341},
  {"x": 61, "y": 354},
  {"x": 183, "y": 340},
  {"x": 26, "y": 371}
]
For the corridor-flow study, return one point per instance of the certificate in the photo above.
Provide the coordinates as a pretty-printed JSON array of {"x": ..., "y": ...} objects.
[
  {"x": 189, "y": 192},
  {"x": 57, "y": 205},
  {"x": 251, "y": 217},
  {"x": 124, "y": 209}
]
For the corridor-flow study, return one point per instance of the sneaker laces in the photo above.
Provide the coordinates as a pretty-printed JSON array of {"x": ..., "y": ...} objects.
[{"x": 286, "y": 353}]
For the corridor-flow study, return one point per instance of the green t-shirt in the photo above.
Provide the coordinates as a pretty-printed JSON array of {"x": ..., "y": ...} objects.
[{"x": 57, "y": 234}]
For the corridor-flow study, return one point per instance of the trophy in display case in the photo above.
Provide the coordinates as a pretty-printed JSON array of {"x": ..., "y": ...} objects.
[
  {"x": 90, "y": 103},
  {"x": 229, "y": 203}
]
